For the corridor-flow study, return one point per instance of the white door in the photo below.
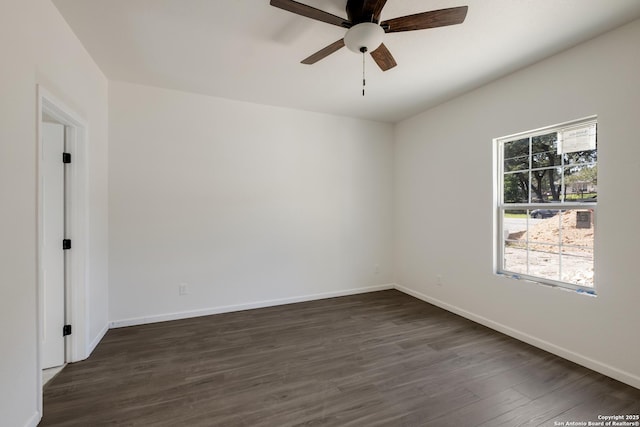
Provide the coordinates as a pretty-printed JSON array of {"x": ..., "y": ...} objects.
[{"x": 52, "y": 235}]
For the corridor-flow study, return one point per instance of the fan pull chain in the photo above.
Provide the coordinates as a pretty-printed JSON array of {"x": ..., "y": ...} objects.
[{"x": 364, "y": 82}]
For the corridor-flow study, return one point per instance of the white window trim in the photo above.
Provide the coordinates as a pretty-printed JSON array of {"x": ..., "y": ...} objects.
[{"x": 500, "y": 206}]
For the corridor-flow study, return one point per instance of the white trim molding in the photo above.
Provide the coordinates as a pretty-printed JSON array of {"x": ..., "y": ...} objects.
[
  {"x": 247, "y": 306},
  {"x": 34, "y": 420},
  {"x": 77, "y": 211},
  {"x": 93, "y": 344}
]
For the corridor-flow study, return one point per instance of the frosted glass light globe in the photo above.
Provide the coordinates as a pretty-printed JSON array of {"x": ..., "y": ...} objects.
[{"x": 366, "y": 34}]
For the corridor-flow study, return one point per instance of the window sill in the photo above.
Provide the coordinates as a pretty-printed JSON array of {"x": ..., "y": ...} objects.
[{"x": 581, "y": 291}]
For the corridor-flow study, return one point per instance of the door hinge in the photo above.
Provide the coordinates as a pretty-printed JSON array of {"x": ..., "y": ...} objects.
[
  {"x": 66, "y": 157},
  {"x": 66, "y": 330},
  {"x": 66, "y": 244}
]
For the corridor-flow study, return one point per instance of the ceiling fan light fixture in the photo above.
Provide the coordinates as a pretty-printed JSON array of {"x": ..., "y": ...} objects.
[{"x": 365, "y": 35}]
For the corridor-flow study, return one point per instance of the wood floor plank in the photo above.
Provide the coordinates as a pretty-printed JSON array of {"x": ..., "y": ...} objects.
[
  {"x": 480, "y": 411},
  {"x": 548, "y": 406},
  {"x": 377, "y": 359}
]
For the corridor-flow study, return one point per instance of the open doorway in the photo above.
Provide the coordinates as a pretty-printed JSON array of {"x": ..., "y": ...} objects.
[{"x": 62, "y": 235}]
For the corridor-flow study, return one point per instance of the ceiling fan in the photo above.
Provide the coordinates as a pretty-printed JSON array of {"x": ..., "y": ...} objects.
[{"x": 365, "y": 31}]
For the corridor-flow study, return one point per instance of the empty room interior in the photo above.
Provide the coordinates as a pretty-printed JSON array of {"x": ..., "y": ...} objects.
[{"x": 320, "y": 212}]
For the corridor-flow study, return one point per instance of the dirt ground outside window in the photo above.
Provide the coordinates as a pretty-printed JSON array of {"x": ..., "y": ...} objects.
[{"x": 555, "y": 248}]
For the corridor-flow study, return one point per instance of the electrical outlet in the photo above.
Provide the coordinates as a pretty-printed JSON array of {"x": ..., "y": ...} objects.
[
  {"x": 439, "y": 280},
  {"x": 183, "y": 289}
]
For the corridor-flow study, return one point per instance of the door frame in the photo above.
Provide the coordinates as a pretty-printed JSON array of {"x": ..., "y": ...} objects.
[{"x": 76, "y": 200}]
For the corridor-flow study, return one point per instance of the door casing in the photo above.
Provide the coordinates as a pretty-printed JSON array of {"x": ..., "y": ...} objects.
[{"x": 76, "y": 190}]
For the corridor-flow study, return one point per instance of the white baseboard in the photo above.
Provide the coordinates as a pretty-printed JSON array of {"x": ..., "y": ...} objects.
[
  {"x": 34, "y": 420},
  {"x": 239, "y": 307},
  {"x": 97, "y": 339},
  {"x": 603, "y": 368}
]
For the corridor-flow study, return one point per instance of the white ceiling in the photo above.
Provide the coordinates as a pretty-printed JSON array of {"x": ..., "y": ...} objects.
[{"x": 248, "y": 50}]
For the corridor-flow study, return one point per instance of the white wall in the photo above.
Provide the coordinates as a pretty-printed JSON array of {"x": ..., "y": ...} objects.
[
  {"x": 37, "y": 47},
  {"x": 247, "y": 204},
  {"x": 444, "y": 203}
]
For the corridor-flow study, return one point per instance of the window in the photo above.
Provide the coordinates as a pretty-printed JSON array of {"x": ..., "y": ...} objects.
[{"x": 546, "y": 204}]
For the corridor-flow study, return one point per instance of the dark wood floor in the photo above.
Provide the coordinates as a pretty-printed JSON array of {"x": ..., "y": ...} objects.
[{"x": 382, "y": 358}]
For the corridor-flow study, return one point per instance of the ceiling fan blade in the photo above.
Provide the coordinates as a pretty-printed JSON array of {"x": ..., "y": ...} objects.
[
  {"x": 365, "y": 10},
  {"x": 323, "y": 53},
  {"x": 310, "y": 12},
  {"x": 421, "y": 21},
  {"x": 383, "y": 58}
]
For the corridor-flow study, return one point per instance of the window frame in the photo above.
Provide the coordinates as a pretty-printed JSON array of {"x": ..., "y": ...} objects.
[{"x": 500, "y": 206}]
